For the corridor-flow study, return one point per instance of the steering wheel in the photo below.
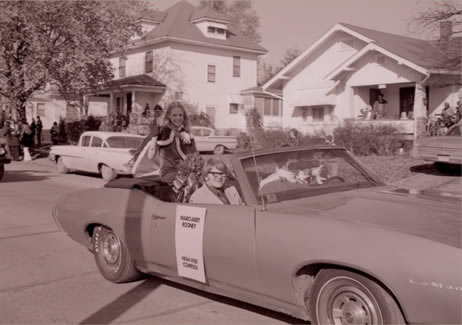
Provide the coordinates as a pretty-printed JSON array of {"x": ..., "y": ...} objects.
[{"x": 333, "y": 179}]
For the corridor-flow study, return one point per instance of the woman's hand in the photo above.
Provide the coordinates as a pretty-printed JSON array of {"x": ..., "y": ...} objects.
[{"x": 185, "y": 137}]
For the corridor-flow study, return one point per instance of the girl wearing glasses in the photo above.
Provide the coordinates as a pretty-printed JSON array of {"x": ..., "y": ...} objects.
[{"x": 214, "y": 190}]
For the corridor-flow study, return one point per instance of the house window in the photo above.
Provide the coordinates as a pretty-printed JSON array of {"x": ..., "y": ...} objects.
[
  {"x": 276, "y": 107},
  {"x": 236, "y": 66},
  {"x": 179, "y": 95},
  {"x": 41, "y": 109},
  {"x": 211, "y": 29},
  {"x": 220, "y": 31},
  {"x": 233, "y": 108},
  {"x": 317, "y": 113},
  {"x": 267, "y": 108},
  {"x": 121, "y": 67},
  {"x": 211, "y": 73},
  {"x": 148, "y": 62}
]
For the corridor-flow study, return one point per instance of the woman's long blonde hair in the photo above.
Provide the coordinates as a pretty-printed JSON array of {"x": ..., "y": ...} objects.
[{"x": 167, "y": 122}]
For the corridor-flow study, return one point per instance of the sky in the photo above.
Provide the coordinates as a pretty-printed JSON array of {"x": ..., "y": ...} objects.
[{"x": 297, "y": 24}]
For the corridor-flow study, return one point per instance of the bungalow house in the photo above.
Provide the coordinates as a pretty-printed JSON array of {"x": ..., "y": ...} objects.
[
  {"x": 344, "y": 71},
  {"x": 184, "y": 53},
  {"x": 187, "y": 54}
]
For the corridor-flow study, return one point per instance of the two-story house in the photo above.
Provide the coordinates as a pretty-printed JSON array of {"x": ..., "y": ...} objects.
[
  {"x": 188, "y": 54},
  {"x": 185, "y": 53}
]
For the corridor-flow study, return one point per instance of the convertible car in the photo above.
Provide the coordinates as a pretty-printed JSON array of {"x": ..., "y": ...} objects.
[{"x": 335, "y": 246}]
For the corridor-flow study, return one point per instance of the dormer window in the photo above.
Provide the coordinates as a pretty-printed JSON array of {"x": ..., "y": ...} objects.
[
  {"x": 211, "y": 23},
  {"x": 216, "y": 30}
]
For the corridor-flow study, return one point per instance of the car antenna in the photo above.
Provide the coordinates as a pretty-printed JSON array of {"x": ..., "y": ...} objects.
[{"x": 256, "y": 171}]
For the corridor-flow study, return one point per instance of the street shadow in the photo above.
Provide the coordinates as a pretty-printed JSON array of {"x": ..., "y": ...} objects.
[
  {"x": 442, "y": 170},
  {"x": 236, "y": 303},
  {"x": 119, "y": 306},
  {"x": 112, "y": 311},
  {"x": 15, "y": 176}
]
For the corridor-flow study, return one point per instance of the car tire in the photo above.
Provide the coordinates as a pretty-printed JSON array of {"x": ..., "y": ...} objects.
[
  {"x": 219, "y": 149},
  {"x": 62, "y": 168},
  {"x": 107, "y": 173},
  {"x": 2, "y": 171},
  {"x": 113, "y": 258},
  {"x": 343, "y": 297}
]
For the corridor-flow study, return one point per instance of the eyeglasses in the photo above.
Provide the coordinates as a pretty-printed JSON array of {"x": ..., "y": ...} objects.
[{"x": 217, "y": 174}]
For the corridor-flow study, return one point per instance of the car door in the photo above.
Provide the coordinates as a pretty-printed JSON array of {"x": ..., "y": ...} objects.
[
  {"x": 208, "y": 141},
  {"x": 228, "y": 244},
  {"x": 93, "y": 154},
  {"x": 78, "y": 162},
  {"x": 199, "y": 139}
]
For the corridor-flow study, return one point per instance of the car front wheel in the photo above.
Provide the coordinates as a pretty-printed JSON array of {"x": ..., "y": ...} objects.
[
  {"x": 112, "y": 257},
  {"x": 107, "y": 173},
  {"x": 219, "y": 150},
  {"x": 2, "y": 171},
  {"x": 343, "y": 297}
]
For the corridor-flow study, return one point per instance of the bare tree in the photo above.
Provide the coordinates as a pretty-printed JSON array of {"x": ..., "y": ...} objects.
[{"x": 444, "y": 16}]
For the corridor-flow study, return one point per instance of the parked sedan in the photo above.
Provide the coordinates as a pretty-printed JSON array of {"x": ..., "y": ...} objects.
[
  {"x": 105, "y": 153},
  {"x": 443, "y": 150},
  {"x": 336, "y": 246},
  {"x": 207, "y": 140}
]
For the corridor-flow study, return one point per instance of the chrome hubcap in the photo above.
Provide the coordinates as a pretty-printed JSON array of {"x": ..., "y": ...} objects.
[
  {"x": 346, "y": 303},
  {"x": 111, "y": 249}
]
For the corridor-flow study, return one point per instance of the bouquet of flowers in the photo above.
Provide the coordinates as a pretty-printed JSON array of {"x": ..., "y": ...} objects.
[{"x": 188, "y": 177}]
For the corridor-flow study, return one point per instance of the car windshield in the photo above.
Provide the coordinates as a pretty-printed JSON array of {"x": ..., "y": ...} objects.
[
  {"x": 124, "y": 142},
  {"x": 294, "y": 174}
]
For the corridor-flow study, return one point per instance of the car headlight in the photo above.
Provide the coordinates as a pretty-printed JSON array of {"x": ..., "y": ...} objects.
[{"x": 2, "y": 151}]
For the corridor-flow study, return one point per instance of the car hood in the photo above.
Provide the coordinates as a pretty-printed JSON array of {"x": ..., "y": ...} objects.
[{"x": 432, "y": 215}]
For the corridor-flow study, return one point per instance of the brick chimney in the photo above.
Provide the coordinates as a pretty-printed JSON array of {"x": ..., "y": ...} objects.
[{"x": 445, "y": 31}]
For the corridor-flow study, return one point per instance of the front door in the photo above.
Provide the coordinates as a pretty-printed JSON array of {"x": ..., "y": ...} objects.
[
  {"x": 406, "y": 100},
  {"x": 373, "y": 95},
  {"x": 129, "y": 104}
]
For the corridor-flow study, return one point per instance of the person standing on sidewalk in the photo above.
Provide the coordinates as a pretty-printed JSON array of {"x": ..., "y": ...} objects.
[
  {"x": 39, "y": 131},
  {"x": 33, "y": 128}
]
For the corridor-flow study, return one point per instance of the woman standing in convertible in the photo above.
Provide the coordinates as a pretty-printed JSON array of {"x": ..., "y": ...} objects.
[{"x": 174, "y": 141}]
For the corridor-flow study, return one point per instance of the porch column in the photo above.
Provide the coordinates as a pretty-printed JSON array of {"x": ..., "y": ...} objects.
[
  {"x": 111, "y": 104},
  {"x": 419, "y": 111}
]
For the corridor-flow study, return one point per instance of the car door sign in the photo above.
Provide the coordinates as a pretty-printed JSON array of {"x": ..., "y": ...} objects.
[{"x": 189, "y": 230}]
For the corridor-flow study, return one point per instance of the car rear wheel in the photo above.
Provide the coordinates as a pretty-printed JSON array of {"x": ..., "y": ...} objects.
[
  {"x": 343, "y": 297},
  {"x": 62, "y": 168},
  {"x": 2, "y": 171},
  {"x": 107, "y": 173},
  {"x": 112, "y": 257},
  {"x": 219, "y": 150}
]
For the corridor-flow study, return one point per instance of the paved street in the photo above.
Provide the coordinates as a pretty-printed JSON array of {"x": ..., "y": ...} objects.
[{"x": 47, "y": 278}]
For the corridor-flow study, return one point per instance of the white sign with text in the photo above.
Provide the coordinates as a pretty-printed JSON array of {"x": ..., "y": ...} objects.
[{"x": 189, "y": 230}]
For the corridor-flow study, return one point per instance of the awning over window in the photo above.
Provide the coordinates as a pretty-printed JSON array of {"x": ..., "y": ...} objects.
[
  {"x": 235, "y": 99},
  {"x": 314, "y": 97}
]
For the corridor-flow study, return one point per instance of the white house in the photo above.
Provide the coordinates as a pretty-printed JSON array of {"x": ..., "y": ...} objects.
[
  {"x": 186, "y": 54},
  {"x": 345, "y": 70}
]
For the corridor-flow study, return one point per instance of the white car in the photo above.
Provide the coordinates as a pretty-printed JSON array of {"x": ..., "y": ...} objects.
[
  {"x": 106, "y": 153},
  {"x": 207, "y": 140}
]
